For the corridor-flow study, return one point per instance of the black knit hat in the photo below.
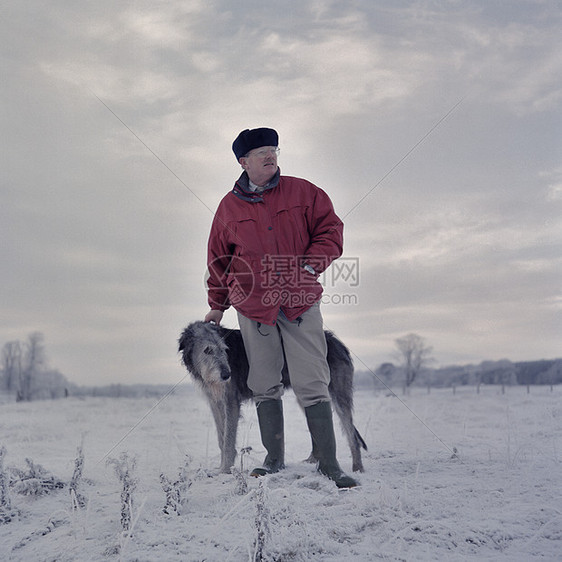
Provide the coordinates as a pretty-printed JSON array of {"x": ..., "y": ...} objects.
[{"x": 249, "y": 139}]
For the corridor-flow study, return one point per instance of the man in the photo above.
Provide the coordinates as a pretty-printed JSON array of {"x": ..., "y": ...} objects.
[{"x": 272, "y": 236}]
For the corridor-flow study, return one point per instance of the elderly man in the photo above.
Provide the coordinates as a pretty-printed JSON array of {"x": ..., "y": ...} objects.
[{"x": 272, "y": 236}]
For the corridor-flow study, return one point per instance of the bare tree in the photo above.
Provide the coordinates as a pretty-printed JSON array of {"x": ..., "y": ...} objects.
[
  {"x": 33, "y": 361},
  {"x": 11, "y": 364},
  {"x": 414, "y": 353},
  {"x": 385, "y": 373}
]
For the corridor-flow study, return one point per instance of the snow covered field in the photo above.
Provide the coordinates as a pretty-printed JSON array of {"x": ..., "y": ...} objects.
[{"x": 462, "y": 476}]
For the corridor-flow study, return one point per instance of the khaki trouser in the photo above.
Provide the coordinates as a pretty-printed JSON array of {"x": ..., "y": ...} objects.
[{"x": 302, "y": 343}]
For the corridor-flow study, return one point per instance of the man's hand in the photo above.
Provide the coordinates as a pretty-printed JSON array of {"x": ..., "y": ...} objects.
[{"x": 214, "y": 316}]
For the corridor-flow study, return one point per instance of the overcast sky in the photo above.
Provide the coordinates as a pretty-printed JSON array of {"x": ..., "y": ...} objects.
[{"x": 435, "y": 126}]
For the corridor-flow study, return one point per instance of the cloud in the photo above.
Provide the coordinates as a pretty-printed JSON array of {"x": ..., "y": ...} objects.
[{"x": 104, "y": 235}]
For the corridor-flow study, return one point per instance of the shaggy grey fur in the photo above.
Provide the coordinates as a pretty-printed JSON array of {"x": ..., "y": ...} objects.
[{"x": 216, "y": 358}]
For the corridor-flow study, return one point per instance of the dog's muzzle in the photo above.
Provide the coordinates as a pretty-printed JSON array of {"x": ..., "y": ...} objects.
[{"x": 225, "y": 374}]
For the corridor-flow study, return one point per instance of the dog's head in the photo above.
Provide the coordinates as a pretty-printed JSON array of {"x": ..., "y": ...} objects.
[{"x": 204, "y": 352}]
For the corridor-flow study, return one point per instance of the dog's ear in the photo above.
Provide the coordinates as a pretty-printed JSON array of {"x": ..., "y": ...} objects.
[{"x": 185, "y": 347}]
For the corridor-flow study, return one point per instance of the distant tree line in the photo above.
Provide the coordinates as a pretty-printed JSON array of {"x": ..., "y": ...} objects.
[
  {"x": 413, "y": 357},
  {"x": 125, "y": 390},
  {"x": 24, "y": 374},
  {"x": 504, "y": 372}
]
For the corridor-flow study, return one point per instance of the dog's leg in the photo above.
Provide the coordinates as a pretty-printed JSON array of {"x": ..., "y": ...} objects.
[
  {"x": 218, "y": 410},
  {"x": 232, "y": 415}
]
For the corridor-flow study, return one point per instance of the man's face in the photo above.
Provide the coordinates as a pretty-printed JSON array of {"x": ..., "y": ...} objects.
[{"x": 260, "y": 164}]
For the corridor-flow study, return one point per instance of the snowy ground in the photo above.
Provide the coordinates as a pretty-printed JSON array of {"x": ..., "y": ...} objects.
[{"x": 462, "y": 476}]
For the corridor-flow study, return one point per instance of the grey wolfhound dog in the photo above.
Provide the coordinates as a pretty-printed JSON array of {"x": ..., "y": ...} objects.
[{"x": 216, "y": 358}]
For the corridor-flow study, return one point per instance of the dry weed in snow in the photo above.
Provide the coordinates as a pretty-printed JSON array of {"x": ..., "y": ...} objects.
[
  {"x": 124, "y": 470},
  {"x": 176, "y": 491}
]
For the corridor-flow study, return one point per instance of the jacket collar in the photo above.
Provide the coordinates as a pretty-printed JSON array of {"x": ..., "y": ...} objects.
[{"x": 242, "y": 190}]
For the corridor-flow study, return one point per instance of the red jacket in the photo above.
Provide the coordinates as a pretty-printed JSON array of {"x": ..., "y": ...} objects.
[{"x": 259, "y": 244}]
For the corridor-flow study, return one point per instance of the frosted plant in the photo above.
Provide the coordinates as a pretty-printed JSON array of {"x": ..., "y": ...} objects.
[
  {"x": 242, "y": 484},
  {"x": 4, "y": 485},
  {"x": 124, "y": 470},
  {"x": 78, "y": 500},
  {"x": 35, "y": 481},
  {"x": 176, "y": 492},
  {"x": 7, "y": 514},
  {"x": 262, "y": 522},
  {"x": 244, "y": 452}
]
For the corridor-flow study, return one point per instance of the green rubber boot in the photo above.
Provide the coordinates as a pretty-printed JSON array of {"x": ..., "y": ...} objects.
[
  {"x": 321, "y": 427},
  {"x": 270, "y": 417}
]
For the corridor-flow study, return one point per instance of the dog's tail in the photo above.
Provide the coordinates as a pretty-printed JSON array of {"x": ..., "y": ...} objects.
[{"x": 359, "y": 438}]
